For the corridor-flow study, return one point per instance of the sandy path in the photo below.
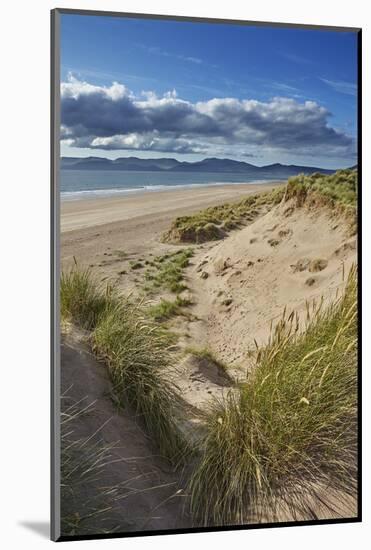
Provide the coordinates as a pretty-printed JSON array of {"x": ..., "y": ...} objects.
[{"x": 152, "y": 495}]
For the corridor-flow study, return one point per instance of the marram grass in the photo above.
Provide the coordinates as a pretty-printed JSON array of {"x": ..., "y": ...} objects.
[
  {"x": 136, "y": 353},
  {"x": 83, "y": 299},
  {"x": 214, "y": 222},
  {"x": 291, "y": 428},
  {"x": 338, "y": 191},
  {"x": 85, "y": 463},
  {"x": 135, "y": 350},
  {"x": 339, "y": 188}
]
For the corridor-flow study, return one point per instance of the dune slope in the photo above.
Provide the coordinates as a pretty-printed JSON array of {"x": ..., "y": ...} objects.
[{"x": 242, "y": 284}]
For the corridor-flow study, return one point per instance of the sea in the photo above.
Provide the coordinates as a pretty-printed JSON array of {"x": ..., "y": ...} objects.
[{"x": 86, "y": 184}]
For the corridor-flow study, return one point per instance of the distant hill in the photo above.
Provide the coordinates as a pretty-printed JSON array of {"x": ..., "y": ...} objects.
[{"x": 171, "y": 165}]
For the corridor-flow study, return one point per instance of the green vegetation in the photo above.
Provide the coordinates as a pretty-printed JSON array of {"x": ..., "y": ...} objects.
[
  {"x": 165, "y": 309},
  {"x": 137, "y": 358},
  {"x": 166, "y": 272},
  {"x": 215, "y": 222},
  {"x": 83, "y": 298},
  {"x": 339, "y": 188},
  {"x": 291, "y": 428},
  {"x": 336, "y": 190},
  {"x": 135, "y": 351}
]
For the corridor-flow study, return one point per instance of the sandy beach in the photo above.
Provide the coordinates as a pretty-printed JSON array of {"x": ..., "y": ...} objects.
[
  {"x": 79, "y": 214},
  {"x": 90, "y": 229}
]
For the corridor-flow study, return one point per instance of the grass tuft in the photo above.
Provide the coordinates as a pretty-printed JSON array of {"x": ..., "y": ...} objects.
[
  {"x": 85, "y": 463},
  {"x": 337, "y": 190},
  {"x": 167, "y": 272},
  {"x": 135, "y": 351},
  {"x": 291, "y": 428},
  {"x": 135, "y": 265},
  {"x": 83, "y": 298},
  {"x": 166, "y": 309},
  {"x": 215, "y": 222}
]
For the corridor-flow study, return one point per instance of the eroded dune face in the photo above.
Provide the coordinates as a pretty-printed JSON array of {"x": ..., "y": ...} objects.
[{"x": 284, "y": 259}]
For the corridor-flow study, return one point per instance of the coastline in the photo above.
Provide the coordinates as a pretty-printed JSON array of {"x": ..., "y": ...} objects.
[{"x": 90, "y": 212}]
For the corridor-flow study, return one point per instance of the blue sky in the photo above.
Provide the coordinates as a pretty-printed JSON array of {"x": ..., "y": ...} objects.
[{"x": 188, "y": 90}]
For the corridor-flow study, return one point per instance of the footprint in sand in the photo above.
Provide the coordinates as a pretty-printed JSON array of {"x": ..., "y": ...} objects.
[
  {"x": 274, "y": 242},
  {"x": 301, "y": 265},
  {"x": 345, "y": 248},
  {"x": 317, "y": 265},
  {"x": 284, "y": 233}
]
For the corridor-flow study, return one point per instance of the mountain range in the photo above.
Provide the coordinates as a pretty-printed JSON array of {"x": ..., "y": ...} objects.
[{"x": 171, "y": 165}]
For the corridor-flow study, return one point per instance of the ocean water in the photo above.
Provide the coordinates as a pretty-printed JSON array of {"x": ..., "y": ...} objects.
[{"x": 82, "y": 184}]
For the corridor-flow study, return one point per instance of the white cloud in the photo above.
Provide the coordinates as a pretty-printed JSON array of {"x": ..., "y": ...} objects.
[
  {"x": 114, "y": 118},
  {"x": 75, "y": 88},
  {"x": 342, "y": 87}
]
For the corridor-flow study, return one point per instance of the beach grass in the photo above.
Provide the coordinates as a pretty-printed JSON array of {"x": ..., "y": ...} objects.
[
  {"x": 166, "y": 272},
  {"x": 135, "y": 350},
  {"x": 84, "y": 463},
  {"x": 338, "y": 192},
  {"x": 136, "y": 354},
  {"x": 338, "y": 188},
  {"x": 83, "y": 298},
  {"x": 290, "y": 430},
  {"x": 214, "y": 223},
  {"x": 166, "y": 309}
]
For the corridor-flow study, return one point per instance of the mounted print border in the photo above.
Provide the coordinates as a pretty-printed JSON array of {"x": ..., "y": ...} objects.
[{"x": 137, "y": 276}]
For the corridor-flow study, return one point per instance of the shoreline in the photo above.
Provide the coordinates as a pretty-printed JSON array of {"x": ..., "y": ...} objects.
[
  {"x": 90, "y": 212},
  {"x": 93, "y": 194}
]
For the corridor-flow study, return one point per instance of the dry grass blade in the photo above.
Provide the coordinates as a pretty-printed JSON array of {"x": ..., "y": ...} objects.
[
  {"x": 135, "y": 350},
  {"x": 291, "y": 429}
]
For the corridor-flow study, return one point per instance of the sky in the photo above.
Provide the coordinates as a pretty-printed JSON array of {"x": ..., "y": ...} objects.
[{"x": 189, "y": 90}]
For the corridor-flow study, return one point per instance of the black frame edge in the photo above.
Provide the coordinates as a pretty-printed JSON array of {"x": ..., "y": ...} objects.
[
  {"x": 359, "y": 259},
  {"x": 133, "y": 15},
  {"x": 54, "y": 279}
]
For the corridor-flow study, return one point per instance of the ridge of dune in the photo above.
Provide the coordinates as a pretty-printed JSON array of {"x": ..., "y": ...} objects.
[{"x": 242, "y": 284}]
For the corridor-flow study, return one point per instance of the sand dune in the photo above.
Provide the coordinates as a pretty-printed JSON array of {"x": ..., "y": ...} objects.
[
  {"x": 279, "y": 261},
  {"x": 239, "y": 287},
  {"x": 283, "y": 259}
]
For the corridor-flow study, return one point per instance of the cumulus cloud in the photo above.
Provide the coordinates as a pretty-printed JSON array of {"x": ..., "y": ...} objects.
[{"x": 114, "y": 118}]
